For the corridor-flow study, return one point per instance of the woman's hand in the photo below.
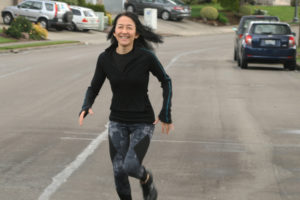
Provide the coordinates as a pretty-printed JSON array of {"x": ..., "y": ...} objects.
[
  {"x": 82, "y": 114},
  {"x": 165, "y": 127}
]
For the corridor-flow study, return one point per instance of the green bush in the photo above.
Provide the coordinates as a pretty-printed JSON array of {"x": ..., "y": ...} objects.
[
  {"x": 96, "y": 8},
  {"x": 81, "y": 2},
  {"x": 245, "y": 10},
  {"x": 190, "y": 2},
  {"x": 230, "y": 4},
  {"x": 209, "y": 13},
  {"x": 21, "y": 27},
  {"x": 223, "y": 19},
  {"x": 18, "y": 26},
  {"x": 14, "y": 32},
  {"x": 22, "y": 24}
]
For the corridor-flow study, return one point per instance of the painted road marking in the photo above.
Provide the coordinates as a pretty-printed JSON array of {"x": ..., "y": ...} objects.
[
  {"x": 63, "y": 176},
  {"x": 15, "y": 72}
]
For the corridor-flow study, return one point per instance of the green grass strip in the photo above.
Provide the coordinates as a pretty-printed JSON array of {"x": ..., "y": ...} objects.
[
  {"x": 6, "y": 40},
  {"x": 285, "y": 13},
  {"x": 36, "y": 44}
]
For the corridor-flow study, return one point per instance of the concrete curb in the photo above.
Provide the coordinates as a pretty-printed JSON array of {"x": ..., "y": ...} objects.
[{"x": 37, "y": 47}]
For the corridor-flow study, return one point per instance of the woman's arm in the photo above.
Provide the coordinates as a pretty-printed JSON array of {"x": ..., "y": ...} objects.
[{"x": 94, "y": 88}]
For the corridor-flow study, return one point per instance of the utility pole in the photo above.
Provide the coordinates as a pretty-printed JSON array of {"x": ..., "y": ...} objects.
[{"x": 296, "y": 12}]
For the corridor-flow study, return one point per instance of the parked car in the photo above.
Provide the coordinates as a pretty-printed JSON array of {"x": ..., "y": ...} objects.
[
  {"x": 268, "y": 42},
  {"x": 47, "y": 13},
  {"x": 84, "y": 19},
  {"x": 166, "y": 9},
  {"x": 243, "y": 26}
]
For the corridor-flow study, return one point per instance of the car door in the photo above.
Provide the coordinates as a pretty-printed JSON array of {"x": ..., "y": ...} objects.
[
  {"x": 35, "y": 11},
  {"x": 145, "y": 4},
  {"x": 159, "y": 5},
  {"x": 23, "y": 9}
]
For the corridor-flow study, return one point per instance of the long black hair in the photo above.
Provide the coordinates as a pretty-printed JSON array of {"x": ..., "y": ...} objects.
[{"x": 146, "y": 34}]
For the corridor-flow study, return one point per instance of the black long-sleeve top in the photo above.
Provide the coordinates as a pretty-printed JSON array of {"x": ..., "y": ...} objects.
[{"x": 129, "y": 84}]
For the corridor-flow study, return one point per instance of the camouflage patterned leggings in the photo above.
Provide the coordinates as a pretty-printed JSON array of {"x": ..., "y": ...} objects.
[{"x": 128, "y": 144}]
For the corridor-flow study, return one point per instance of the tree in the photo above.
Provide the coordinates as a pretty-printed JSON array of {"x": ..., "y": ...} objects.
[{"x": 230, "y": 4}]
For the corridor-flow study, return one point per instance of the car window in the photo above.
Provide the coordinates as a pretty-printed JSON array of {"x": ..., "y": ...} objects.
[
  {"x": 162, "y": 1},
  {"x": 88, "y": 13},
  {"x": 49, "y": 6},
  {"x": 76, "y": 12},
  {"x": 147, "y": 1},
  {"x": 37, "y": 6},
  {"x": 62, "y": 7},
  {"x": 171, "y": 2},
  {"x": 277, "y": 29},
  {"x": 27, "y": 4},
  {"x": 247, "y": 22}
]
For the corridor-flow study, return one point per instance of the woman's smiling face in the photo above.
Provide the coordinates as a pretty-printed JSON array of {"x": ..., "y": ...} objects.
[{"x": 125, "y": 32}]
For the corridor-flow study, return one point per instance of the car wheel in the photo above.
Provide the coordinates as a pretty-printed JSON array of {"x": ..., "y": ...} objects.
[
  {"x": 235, "y": 55},
  {"x": 238, "y": 60},
  {"x": 165, "y": 15},
  {"x": 244, "y": 63},
  {"x": 291, "y": 65},
  {"x": 43, "y": 23},
  {"x": 72, "y": 27},
  {"x": 130, "y": 8},
  {"x": 7, "y": 18}
]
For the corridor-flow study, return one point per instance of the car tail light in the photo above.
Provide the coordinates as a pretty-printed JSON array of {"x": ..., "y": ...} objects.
[
  {"x": 56, "y": 10},
  {"x": 292, "y": 42},
  {"x": 240, "y": 36},
  {"x": 178, "y": 8},
  {"x": 248, "y": 40},
  {"x": 84, "y": 20},
  {"x": 97, "y": 21}
]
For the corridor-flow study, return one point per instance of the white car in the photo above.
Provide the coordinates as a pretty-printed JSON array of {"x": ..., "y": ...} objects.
[{"x": 84, "y": 19}]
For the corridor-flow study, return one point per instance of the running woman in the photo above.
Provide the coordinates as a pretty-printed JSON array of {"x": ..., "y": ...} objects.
[{"x": 127, "y": 63}]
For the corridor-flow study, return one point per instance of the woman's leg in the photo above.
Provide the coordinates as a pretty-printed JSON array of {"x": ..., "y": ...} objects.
[
  {"x": 118, "y": 145},
  {"x": 140, "y": 136}
]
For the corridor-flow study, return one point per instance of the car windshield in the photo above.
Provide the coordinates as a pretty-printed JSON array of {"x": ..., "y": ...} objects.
[
  {"x": 89, "y": 13},
  {"x": 267, "y": 29},
  {"x": 247, "y": 22}
]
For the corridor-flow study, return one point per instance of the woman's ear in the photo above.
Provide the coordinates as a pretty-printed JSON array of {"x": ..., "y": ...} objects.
[{"x": 136, "y": 36}]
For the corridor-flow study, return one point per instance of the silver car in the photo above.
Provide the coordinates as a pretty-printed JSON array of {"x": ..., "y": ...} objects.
[
  {"x": 47, "y": 13},
  {"x": 166, "y": 9},
  {"x": 84, "y": 19}
]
